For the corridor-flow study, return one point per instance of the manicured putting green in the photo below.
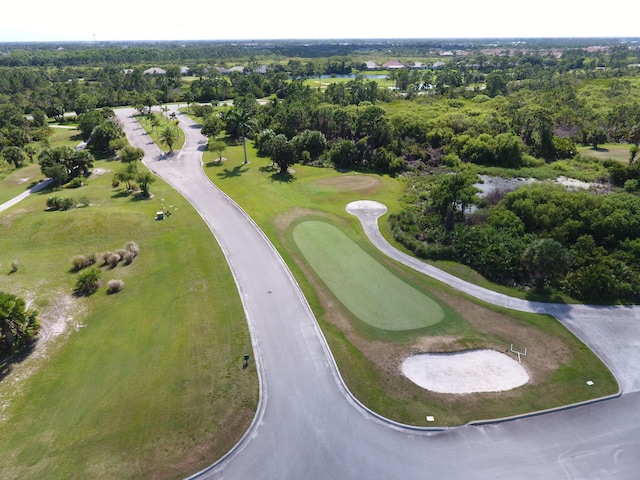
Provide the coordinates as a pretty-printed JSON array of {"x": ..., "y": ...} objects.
[{"x": 363, "y": 285}]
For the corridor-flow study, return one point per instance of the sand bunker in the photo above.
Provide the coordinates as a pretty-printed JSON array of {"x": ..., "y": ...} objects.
[{"x": 465, "y": 372}]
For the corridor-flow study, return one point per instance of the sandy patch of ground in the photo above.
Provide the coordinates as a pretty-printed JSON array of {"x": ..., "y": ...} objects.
[
  {"x": 96, "y": 172},
  {"x": 57, "y": 320},
  {"x": 350, "y": 183},
  {"x": 465, "y": 372},
  {"x": 489, "y": 184}
]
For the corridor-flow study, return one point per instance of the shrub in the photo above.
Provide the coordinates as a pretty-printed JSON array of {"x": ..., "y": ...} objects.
[
  {"x": 133, "y": 248},
  {"x": 105, "y": 257},
  {"x": 88, "y": 281},
  {"x": 82, "y": 261},
  {"x": 19, "y": 325},
  {"x": 128, "y": 257},
  {"x": 56, "y": 202},
  {"x": 115, "y": 285},
  {"x": 75, "y": 182},
  {"x": 113, "y": 259},
  {"x": 14, "y": 266}
]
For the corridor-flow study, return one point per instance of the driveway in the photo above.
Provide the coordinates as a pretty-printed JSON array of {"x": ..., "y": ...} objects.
[{"x": 309, "y": 426}]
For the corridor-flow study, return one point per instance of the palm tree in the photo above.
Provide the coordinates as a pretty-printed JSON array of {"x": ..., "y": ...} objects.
[
  {"x": 243, "y": 122},
  {"x": 30, "y": 150},
  {"x": 168, "y": 136}
]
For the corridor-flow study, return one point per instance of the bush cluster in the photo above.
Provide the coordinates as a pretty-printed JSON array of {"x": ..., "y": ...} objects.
[
  {"x": 56, "y": 202},
  {"x": 89, "y": 280},
  {"x": 126, "y": 254},
  {"x": 82, "y": 261}
]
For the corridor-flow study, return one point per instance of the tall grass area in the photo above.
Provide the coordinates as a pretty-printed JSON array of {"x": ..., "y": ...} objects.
[{"x": 145, "y": 383}]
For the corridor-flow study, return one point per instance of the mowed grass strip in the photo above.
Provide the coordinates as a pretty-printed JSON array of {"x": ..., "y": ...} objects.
[
  {"x": 150, "y": 383},
  {"x": 370, "y": 291}
]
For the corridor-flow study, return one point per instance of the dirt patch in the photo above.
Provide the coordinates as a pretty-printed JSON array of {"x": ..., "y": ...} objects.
[
  {"x": 350, "y": 183},
  {"x": 96, "y": 172},
  {"x": 58, "y": 319}
]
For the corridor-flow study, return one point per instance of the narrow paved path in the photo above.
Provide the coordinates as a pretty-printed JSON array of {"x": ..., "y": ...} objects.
[
  {"x": 309, "y": 426},
  {"x": 613, "y": 332},
  {"x": 25, "y": 194}
]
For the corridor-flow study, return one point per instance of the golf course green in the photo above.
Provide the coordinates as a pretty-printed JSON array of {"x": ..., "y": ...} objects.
[{"x": 364, "y": 286}]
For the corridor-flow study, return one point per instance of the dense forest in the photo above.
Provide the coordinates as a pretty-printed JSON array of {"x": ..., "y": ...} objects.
[{"x": 444, "y": 113}]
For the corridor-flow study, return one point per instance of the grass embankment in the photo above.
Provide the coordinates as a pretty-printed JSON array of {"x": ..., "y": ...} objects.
[
  {"x": 155, "y": 133},
  {"x": 145, "y": 383},
  {"x": 369, "y": 358}
]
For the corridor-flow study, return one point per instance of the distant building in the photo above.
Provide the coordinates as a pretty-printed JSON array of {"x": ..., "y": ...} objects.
[
  {"x": 155, "y": 71},
  {"x": 372, "y": 65},
  {"x": 393, "y": 64}
]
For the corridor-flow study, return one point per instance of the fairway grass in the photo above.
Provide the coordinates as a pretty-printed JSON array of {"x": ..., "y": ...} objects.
[
  {"x": 145, "y": 383},
  {"x": 370, "y": 291}
]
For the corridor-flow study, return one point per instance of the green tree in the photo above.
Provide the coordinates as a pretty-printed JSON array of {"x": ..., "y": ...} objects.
[
  {"x": 30, "y": 150},
  {"x": 91, "y": 119},
  {"x": 18, "y": 324},
  {"x": 130, "y": 154},
  {"x": 127, "y": 174},
  {"x": 211, "y": 126},
  {"x": 283, "y": 153},
  {"x": 547, "y": 261},
  {"x": 188, "y": 97},
  {"x": 102, "y": 136},
  {"x": 168, "y": 137},
  {"x": 451, "y": 196},
  {"x": 597, "y": 136},
  {"x": 14, "y": 155},
  {"x": 218, "y": 146},
  {"x": 240, "y": 121},
  {"x": 75, "y": 163},
  {"x": 496, "y": 84},
  {"x": 144, "y": 179}
]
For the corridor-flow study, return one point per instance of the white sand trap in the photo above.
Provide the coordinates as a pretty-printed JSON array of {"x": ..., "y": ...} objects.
[{"x": 465, "y": 372}]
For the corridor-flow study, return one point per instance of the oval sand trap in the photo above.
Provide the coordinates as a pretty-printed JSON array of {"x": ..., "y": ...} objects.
[{"x": 465, "y": 372}]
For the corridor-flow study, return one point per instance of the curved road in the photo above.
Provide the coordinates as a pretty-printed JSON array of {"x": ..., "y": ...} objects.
[{"x": 308, "y": 425}]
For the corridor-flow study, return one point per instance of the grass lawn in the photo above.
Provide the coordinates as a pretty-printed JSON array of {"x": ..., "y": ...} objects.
[
  {"x": 145, "y": 383},
  {"x": 290, "y": 208},
  {"x": 19, "y": 180},
  {"x": 614, "y": 151},
  {"x": 154, "y": 133}
]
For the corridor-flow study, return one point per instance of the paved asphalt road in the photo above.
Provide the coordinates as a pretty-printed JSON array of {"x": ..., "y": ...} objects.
[{"x": 309, "y": 427}]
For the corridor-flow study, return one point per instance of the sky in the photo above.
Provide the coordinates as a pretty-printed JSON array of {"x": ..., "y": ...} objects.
[{"x": 116, "y": 20}]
